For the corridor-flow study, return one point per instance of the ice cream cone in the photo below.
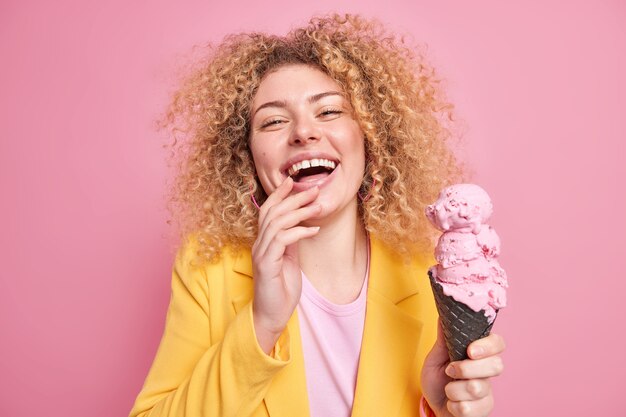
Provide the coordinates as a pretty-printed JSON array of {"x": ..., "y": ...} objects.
[{"x": 461, "y": 325}]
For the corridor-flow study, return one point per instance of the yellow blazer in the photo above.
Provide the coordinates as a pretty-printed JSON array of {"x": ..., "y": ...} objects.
[{"x": 210, "y": 364}]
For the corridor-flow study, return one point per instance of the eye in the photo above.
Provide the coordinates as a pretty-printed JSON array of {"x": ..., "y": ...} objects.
[
  {"x": 272, "y": 122},
  {"x": 331, "y": 111}
]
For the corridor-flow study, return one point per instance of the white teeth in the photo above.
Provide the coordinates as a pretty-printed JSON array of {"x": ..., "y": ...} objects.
[{"x": 310, "y": 163}]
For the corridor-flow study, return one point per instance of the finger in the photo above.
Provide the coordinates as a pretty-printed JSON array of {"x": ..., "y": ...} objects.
[
  {"x": 284, "y": 238},
  {"x": 441, "y": 340},
  {"x": 487, "y": 346},
  {"x": 276, "y": 197},
  {"x": 468, "y": 390},
  {"x": 476, "y": 368},
  {"x": 290, "y": 203},
  {"x": 285, "y": 222},
  {"x": 476, "y": 408},
  {"x": 291, "y": 251}
]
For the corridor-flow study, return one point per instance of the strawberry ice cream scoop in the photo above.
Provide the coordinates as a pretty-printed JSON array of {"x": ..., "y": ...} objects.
[
  {"x": 480, "y": 270},
  {"x": 479, "y": 284},
  {"x": 456, "y": 247},
  {"x": 460, "y": 207},
  {"x": 489, "y": 242},
  {"x": 467, "y": 251}
]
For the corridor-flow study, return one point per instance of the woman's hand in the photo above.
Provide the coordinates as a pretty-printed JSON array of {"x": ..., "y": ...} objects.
[
  {"x": 277, "y": 275},
  {"x": 462, "y": 388}
]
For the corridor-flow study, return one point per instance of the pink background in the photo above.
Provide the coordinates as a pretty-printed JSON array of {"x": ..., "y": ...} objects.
[{"x": 86, "y": 252}]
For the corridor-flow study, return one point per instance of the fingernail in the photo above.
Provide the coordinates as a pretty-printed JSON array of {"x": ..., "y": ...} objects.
[
  {"x": 476, "y": 351},
  {"x": 450, "y": 371}
]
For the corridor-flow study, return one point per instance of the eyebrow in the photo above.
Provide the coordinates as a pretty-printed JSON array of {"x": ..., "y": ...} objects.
[{"x": 312, "y": 99}]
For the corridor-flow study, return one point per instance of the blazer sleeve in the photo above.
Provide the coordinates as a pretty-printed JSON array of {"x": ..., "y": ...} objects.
[{"x": 193, "y": 375}]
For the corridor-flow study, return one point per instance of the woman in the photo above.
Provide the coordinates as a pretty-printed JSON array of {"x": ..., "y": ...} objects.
[{"x": 302, "y": 287}]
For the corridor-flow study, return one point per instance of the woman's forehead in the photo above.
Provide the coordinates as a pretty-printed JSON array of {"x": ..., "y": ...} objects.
[{"x": 294, "y": 82}]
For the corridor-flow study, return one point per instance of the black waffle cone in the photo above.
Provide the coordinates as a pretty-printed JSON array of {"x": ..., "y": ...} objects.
[{"x": 461, "y": 325}]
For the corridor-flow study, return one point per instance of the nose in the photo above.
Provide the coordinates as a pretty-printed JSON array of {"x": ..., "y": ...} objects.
[{"x": 304, "y": 131}]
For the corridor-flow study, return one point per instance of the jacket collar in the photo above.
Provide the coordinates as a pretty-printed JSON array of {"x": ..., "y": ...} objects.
[{"x": 390, "y": 339}]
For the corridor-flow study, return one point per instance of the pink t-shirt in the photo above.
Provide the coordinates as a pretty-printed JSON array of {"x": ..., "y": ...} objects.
[{"x": 331, "y": 343}]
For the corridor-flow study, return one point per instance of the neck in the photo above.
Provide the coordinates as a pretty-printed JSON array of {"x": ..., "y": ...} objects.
[{"x": 335, "y": 260}]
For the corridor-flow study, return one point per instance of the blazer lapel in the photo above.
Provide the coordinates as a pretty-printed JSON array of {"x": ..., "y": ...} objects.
[
  {"x": 287, "y": 395},
  {"x": 390, "y": 337}
]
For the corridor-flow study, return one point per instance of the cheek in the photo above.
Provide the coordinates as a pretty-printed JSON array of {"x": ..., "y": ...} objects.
[
  {"x": 259, "y": 155},
  {"x": 263, "y": 164},
  {"x": 263, "y": 161},
  {"x": 360, "y": 146}
]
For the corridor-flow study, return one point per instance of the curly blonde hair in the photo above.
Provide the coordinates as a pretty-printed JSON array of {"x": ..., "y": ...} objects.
[{"x": 397, "y": 101}]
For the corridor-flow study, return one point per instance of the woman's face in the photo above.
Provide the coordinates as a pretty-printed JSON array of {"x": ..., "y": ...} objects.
[{"x": 302, "y": 126}]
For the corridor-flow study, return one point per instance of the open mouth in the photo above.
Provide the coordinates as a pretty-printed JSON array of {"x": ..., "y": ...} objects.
[{"x": 311, "y": 170}]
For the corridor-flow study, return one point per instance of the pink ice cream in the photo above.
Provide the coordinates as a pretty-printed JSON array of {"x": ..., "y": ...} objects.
[
  {"x": 467, "y": 251},
  {"x": 456, "y": 247},
  {"x": 461, "y": 207}
]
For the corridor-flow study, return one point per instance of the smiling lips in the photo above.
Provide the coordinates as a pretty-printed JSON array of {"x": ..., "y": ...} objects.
[{"x": 311, "y": 169}]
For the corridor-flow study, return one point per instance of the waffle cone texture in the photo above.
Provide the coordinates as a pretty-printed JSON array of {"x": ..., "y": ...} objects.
[{"x": 461, "y": 325}]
